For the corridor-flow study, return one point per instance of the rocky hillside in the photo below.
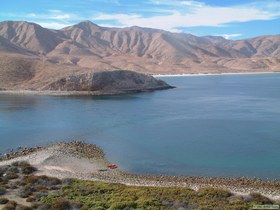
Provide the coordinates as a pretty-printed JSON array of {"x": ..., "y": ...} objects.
[
  {"x": 25, "y": 74},
  {"x": 108, "y": 82},
  {"x": 141, "y": 49},
  {"x": 76, "y": 58}
]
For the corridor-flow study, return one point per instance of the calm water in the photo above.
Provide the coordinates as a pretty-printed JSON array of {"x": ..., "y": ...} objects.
[{"x": 207, "y": 126}]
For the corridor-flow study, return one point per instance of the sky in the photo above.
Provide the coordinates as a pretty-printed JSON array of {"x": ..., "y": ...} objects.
[{"x": 232, "y": 19}]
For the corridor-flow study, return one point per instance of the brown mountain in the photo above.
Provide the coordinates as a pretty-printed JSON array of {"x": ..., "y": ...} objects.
[{"x": 87, "y": 47}]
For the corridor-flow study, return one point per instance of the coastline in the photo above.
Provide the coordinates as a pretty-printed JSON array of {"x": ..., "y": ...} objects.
[
  {"x": 212, "y": 74},
  {"x": 88, "y": 162},
  {"x": 80, "y": 93}
]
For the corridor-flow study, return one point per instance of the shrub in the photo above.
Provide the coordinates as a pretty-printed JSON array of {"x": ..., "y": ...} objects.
[
  {"x": 20, "y": 163},
  {"x": 260, "y": 199},
  {"x": 123, "y": 205},
  {"x": 24, "y": 192},
  {"x": 14, "y": 185},
  {"x": 2, "y": 191},
  {"x": 42, "y": 180},
  {"x": 11, "y": 175},
  {"x": 25, "y": 167},
  {"x": 67, "y": 182},
  {"x": 12, "y": 169},
  {"x": 30, "y": 199},
  {"x": 211, "y": 192},
  {"x": 3, "y": 201},
  {"x": 28, "y": 169},
  {"x": 11, "y": 205},
  {"x": 61, "y": 204},
  {"x": 43, "y": 207},
  {"x": 23, "y": 208},
  {"x": 3, "y": 170}
]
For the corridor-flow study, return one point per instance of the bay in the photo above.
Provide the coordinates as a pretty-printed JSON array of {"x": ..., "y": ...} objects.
[{"x": 219, "y": 125}]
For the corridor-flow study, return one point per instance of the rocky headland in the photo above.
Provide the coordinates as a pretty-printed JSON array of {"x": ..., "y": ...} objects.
[{"x": 91, "y": 83}]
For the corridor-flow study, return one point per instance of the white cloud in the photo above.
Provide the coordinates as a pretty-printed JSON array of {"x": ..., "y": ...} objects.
[
  {"x": 119, "y": 17},
  {"x": 229, "y": 36},
  {"x": 198, "y": 14},
  {"x": 54, "y": 19},
  {"x": 192, "y": 3},
  {"x": 53, "y": 25},
  {"x": 178, "y": 3},
  {"x": 52, "y": 14}
]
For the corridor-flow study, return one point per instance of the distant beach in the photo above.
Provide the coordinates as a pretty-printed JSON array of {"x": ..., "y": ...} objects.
[{"x": 211, "y": 74}]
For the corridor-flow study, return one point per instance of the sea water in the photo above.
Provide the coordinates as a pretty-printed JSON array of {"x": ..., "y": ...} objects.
[{"x": 221, "y": 126}]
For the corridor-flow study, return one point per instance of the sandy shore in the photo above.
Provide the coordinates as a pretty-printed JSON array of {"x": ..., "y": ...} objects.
[
  {"x": 211, "y": 74},
  {"x": 88, "y": 162}
]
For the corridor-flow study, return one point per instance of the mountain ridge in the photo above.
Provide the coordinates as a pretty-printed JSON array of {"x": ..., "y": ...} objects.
[{"x": 88, "y": 47}]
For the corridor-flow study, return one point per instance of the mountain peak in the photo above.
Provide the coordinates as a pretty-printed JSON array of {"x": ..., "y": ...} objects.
[
  {"x": 17, "y": 23},
  {"x": 88, "y": 23}
]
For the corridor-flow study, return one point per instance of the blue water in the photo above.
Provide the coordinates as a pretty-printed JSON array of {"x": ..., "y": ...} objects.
[{"x": 207, "y": 126}]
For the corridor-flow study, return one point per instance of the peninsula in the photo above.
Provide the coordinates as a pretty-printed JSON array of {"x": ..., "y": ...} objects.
[{"x": 71, "y": 168}]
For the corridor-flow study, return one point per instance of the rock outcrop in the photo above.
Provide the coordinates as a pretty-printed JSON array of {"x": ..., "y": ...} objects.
[{"x": 107, "y": 82}]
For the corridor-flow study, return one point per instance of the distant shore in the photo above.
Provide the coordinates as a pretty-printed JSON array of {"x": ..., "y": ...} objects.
[
  {"x": 211, "y": 74},
  {"x": 88, "y": 162}
]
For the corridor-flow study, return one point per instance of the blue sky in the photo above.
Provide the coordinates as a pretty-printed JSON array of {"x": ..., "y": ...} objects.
[{"x": 232, "y": 19}]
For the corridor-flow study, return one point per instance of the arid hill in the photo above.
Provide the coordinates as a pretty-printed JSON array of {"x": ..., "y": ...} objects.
[{"x": 29, "y": 52}]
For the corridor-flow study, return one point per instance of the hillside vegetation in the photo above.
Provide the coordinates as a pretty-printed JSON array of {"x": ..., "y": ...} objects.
[{"x": 21, "y": 189}]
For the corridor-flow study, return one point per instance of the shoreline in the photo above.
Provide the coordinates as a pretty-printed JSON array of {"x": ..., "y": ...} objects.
[
  {"x": 80, "y": 93},
  {"x": 88, "y": 162},
  {"x": 212, "y": 74}
]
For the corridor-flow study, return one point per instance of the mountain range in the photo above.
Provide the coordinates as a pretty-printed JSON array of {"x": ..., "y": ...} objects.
[{"x": 30, "y": 52}]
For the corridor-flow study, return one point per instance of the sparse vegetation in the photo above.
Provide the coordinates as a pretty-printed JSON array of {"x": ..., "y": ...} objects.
[{"x": 43, "y": 192}]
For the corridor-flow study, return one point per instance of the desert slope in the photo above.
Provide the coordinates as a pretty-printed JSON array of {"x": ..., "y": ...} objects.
[{"x": 88, "y": 47}]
